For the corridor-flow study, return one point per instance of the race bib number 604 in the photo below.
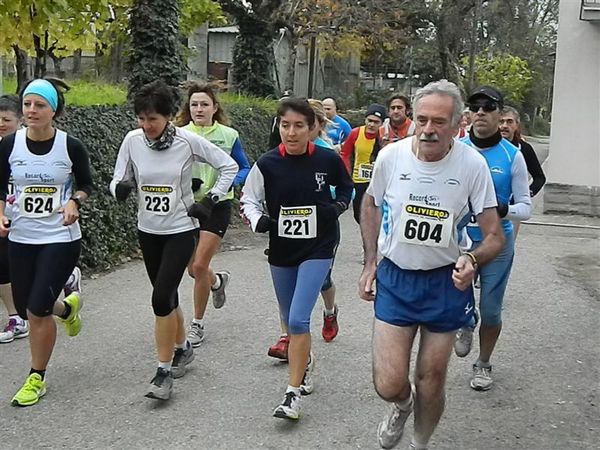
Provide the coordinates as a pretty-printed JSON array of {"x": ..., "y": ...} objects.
[
  {"x": 297, "y": 222},
  {"x": 424, "y": 225}
]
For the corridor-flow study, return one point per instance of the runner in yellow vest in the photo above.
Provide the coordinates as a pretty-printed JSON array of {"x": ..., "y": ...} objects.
[{"x": 361, "y": 144}]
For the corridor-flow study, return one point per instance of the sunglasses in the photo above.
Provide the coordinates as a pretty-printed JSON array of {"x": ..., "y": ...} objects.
[{"x": 487, "y": 106}]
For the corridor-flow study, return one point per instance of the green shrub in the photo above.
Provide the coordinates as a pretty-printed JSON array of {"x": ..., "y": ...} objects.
[{"x": 108, "y": 227}]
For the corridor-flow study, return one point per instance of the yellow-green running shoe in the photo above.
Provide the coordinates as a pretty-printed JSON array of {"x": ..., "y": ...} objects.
[
  {"x": 72, "y": 323},
  {"x": 33, "y": 389}
]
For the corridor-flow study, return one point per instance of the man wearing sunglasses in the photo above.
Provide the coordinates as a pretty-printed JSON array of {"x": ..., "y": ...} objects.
[{"x": 509, "y": 174}]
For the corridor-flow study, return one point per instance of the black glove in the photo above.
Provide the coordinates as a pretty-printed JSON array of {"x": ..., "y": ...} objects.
[
  {"x": 328, "y": 212},
  {"x": 202, "y": 209},
  {"x": 502, "y": 209},
  {"x": 196, "y": 184},
  {"x": 123, "y": 189},
  {"x": 264, "y": 224}
]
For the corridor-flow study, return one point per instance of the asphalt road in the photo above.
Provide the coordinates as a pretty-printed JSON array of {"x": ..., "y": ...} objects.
[{"x": 546, "y": 367}]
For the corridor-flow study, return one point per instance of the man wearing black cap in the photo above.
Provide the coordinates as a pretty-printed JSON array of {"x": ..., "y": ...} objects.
[
  {"x": 362, "y": 146},
  {"x": 509, "y": 174}
]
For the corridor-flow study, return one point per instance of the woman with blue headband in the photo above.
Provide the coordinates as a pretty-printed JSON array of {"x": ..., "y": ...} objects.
[{"x": 51, "y": 178}]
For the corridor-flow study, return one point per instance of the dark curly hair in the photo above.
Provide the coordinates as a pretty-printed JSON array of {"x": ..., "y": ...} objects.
[{"x": 157, "y": 97}]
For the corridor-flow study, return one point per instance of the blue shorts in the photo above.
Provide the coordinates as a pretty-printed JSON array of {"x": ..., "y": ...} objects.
[
  {"x": 493, "y": 278},
  {"x": 421, "y": 297}
]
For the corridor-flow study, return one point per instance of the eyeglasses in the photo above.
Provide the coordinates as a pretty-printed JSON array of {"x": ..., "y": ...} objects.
[{"x": 487, "y": 106}]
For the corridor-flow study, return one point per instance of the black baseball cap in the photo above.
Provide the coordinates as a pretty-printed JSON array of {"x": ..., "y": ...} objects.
[
  {"x": 487, "y": 92},
  {"x": 376, "y": 110}
]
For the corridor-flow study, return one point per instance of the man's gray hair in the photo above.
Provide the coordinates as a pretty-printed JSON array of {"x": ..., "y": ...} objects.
[
  {"x": 447, "y": 88},
  {"x": 513, "y": 111}
]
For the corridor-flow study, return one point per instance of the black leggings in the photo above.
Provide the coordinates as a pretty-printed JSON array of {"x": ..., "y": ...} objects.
[
  {"x": 38, "y": 273},
  {"x": 4, "y": 266},
  {"x": 166, "y": 258},
  {"x": 360, "y": 189}
]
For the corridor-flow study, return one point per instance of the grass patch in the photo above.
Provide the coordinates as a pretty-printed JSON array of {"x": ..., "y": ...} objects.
[
  {"x": 84, "y": 93},
  {"x": 264, "y": 104}
]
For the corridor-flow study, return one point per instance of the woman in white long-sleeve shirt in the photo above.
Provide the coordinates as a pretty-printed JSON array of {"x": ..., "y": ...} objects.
[{"x": 156, "y": 160}]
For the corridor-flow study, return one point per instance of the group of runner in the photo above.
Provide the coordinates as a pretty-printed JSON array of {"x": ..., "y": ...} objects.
[{"x": 436, "y": 209}]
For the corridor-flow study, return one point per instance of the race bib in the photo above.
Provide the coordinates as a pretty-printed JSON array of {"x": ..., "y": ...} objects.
[
  {"x": 424, "y": 225},
  {"x": 297, "y": 222},
  {"x": 159, "y": 200},
  {"x": 365, "y": 171},
  {"x": 39, "y": 201}
]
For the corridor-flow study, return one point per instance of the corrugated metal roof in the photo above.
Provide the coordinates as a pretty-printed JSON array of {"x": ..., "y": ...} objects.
[{"x": 231, "y": 29}]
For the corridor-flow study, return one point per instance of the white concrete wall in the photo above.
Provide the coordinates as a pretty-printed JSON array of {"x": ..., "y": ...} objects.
[{"x": 574, "y": 157}]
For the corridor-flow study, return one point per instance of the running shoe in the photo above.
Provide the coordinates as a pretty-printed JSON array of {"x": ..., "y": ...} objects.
[
  {"x": 72, "y": 323},
  {"x": 289, "y": 408},
  {"x": 390, "y": 430},
  {"x": 330, "y": 325},
  {"x": 73, "y": 284},
  {"x": 280, "y": 349},
  {"x": 14, "y": 329},
  {"x": 482, "y": 378},
  {"x": 464, "y": 341},
  {"x": 31, "y": 392},
  {"x": 181, "y": 358},
  {"x": 161, "y": 385},
  {"x": 307, "y": 386},
  {"x": 218, "y": 295},
  {"x": 195, "y": 334},
  {"x": 464, "y": 337}
]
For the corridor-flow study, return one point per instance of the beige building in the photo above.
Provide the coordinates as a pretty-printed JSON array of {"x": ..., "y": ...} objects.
[{"x": 573, "y": 166}]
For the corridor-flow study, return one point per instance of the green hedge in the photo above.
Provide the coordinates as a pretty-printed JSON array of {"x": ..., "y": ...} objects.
[{"x": 109, "y": 228}]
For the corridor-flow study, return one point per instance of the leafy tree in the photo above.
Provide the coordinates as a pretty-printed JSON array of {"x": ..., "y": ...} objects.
[
  {"x": 253, "y": 57},
  {"x": 510, "y": 74},
  {"x": 155, "y": 47}
]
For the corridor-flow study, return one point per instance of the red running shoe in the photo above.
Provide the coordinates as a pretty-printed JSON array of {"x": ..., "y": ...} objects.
[
  {"x": 330, "y": 325},
  {"x": 280, "y": 349}
]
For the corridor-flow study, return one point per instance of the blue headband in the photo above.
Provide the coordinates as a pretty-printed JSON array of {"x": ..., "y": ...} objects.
[{"x": 44, "y": 89}]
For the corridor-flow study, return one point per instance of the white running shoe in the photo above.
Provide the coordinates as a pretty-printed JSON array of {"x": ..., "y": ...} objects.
[
  {"x": 463, "y": 342},
  {"x": 307, "y": 386},
  {"x": 195, "y": 334},
  {"x": 218, "y": 294},
  {"x": 289, "y": 408},
  {"x": 482, "y": 378},
  {"x": 14, "y": 329},
  {"x": 391, "y": 429},
  {"x": 73, "y": 284}
]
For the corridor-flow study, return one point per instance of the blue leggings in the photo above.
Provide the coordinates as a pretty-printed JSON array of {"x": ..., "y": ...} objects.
[
  {"x": 297, "y": 289},
  {"x": 493, "y": 278}
]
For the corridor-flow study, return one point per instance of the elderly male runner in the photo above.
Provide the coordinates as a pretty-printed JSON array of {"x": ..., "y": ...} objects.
[{"x": 423, "y": 191}]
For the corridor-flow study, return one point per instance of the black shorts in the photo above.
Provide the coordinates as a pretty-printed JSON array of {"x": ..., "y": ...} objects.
[
  {"x": 4, "y": 267},
  {"x": 219, "y": 219}
]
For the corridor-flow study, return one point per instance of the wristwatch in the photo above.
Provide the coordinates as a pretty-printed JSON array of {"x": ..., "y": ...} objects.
[{"x": 77, "y": 200}]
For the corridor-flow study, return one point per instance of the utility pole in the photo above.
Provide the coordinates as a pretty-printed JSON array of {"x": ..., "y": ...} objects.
[{"x": 311, "y": 65}]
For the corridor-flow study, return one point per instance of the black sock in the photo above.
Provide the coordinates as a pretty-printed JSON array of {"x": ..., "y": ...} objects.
[
  {"x": 41, "y": 373},
  {"x": 67, "y": 311}
]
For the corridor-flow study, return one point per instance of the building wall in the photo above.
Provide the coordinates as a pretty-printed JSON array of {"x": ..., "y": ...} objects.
[
  {"x": 573, "y": 166},
  {"x": 575, "y": 141}
]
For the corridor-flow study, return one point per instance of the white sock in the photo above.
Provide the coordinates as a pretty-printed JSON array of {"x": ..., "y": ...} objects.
[
  {"x": 199, "y": 322},
  {"x": 483, "y": 365},
  {"x": 294, "y": 389},
  {"x": 329, "y": 312},
  {"x": 405, "y": 405},
  {"x": 217, "y": 284},
  {"x": 165, "y": 365},
  {"x": 183, "y": 345}
]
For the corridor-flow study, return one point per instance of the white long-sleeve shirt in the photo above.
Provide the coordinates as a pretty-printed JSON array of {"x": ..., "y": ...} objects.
[{"x": 164, "y": 178}]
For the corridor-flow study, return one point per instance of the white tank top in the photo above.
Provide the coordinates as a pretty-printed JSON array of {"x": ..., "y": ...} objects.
[{"x": 42, "y": 185}]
